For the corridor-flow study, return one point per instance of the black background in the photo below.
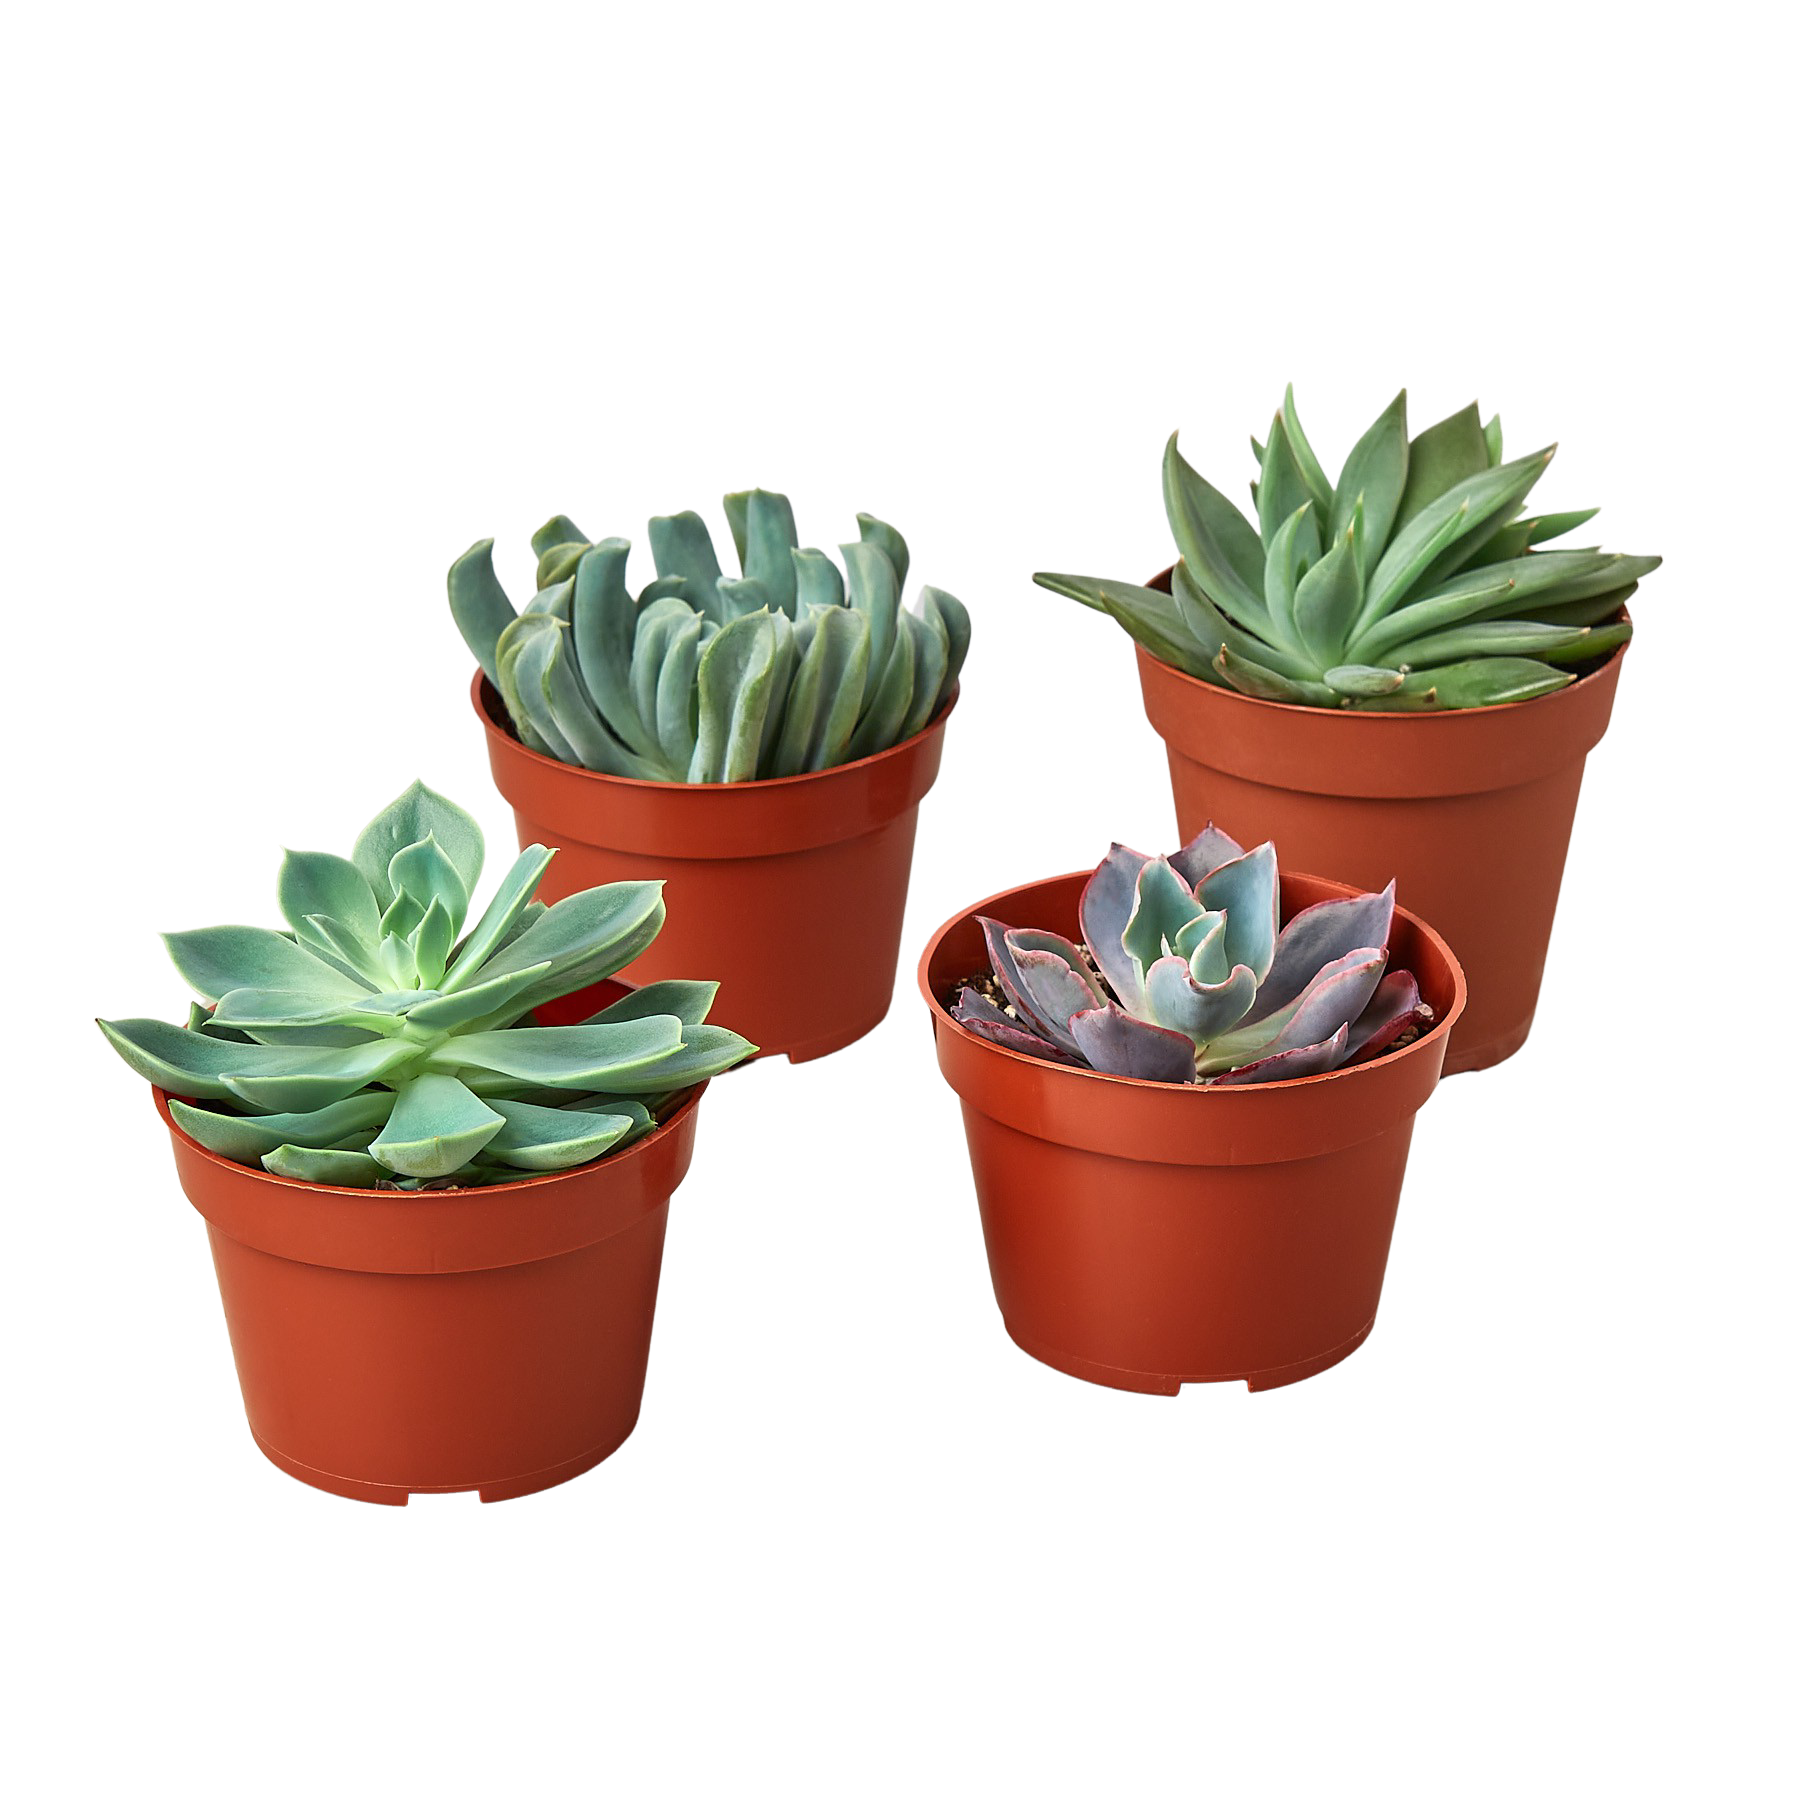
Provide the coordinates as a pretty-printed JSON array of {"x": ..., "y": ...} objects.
[{"x": 828, "y": 1359}]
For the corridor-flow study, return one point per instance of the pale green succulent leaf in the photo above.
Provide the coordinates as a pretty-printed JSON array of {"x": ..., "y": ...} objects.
[
  {"x": 1374, "y": 474},
  {"x": 1326, "y": 604},
  {"x": 479, "y": 605},
  {"x": 734, "y": 685},
  {"x": 1216, "y": 541},
  {"x": 415, "y": 815},
  {"x": 953, "y": 616},
  {"x": 1442, "y": 457},
  {"x": 218, "y": 958},
  {"x": 495, "y": 1003},
  {"x": 503, "y": 912},
  {"x": 816, "y": 580},
  {"x": 592, "y": 1057},
  {"x": 1318, "y": 488},
  {"x": 688, "y": 1001},
  {"x": 1483, "y": 681},
  {"x": 314, "y": 882},
  {"x": 826, "y": 694},
  {"x": 425, "y": 872},
  {"x": 1363, "y": 680},
  {"x": 1490, "y": 637},
  {"x": 583, "y": 933},
  {"x": 556, "y": 530},
  {"x": 931, "y": 657},
  {"x": 538, "y": 1138},
  {"x": 682, "y": 546},
  {"x": 248, "y": 1138},
  {"x": 874, "y": 591},
  {"x": 303, "y": 1080},
  {"x": 432, "y": 940},
  {"x": 1260, "y": 682},
  {"x": 1208, "y": 627},
  {"x": 889, "y": 542},
  {"x": 885, "y": 711},
  {"x": 1149, "y": 615},
  {"x": 325, "y": 1168},
  {"x": 435, "y": 1127},
  {"x": 770, "y": 541}
]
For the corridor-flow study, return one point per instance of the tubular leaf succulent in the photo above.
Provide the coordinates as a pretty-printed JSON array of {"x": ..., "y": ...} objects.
[
  {"x": 374, "y": 1043},
  {"x": 1413, "y": 585},
  {"x": 788, "y": 668},
  {"x": 1186, "y": 975}
]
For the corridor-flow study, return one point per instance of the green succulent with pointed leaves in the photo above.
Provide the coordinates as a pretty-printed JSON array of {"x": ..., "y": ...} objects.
[
  {"x": 375, "y": 1043},
  {"x": 791, "y": 667},
  {"x": 1415, "y": 584}
]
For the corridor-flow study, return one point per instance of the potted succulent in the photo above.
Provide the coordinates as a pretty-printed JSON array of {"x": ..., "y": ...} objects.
[
  {"x": 748, "y": 738},
  {"x": 1188, "y": 1121},
  {"x": 1389, "y": 676},
  {"x": 437, "y": 1222}
]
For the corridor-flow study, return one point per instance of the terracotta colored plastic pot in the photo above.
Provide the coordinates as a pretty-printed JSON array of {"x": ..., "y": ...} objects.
[
  {"x": 748, "y": 863},
  {"x": 491, "y": 1338},
  {"x": 1142, "y": 1234},
  {"x": 1469, "y": 812}
]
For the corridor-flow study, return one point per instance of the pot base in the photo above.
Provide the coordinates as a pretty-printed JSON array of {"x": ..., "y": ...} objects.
[
  {"x": 381, "y": 1493},
  {"x": 1135, "y": 1381},
  {"x": 1463, "y": 1057}
]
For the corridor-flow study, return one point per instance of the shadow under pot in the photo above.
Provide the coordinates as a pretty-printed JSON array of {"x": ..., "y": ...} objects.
[
  {"x": 1144, "y": 1234},
  {"x": 746, "y": 863}
]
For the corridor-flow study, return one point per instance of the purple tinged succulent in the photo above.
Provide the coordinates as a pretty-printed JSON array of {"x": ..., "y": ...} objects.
[{"x": 1188, "y": 975}]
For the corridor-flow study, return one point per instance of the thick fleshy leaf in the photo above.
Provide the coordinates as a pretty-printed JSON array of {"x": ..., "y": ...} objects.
[
  {"x": 1055, "y": 979},
  {"x": 1000, "y": 940},
  {"x": 1281, "y": 489},
  {"x": 504, "y": 911},
  {"x": 218, "y": 958},
  {"x": 1597, "y": 641},
  {"x": 826, "y": 695},
  {"x": 931, "y": 657},
  {"x": 497, "y": 1002},
  {"x": 1362, "y": 680},
  {"x": 1115, "y": 1043},
  {"x": 874, "y": 591},
  {"x": 432, "y": 941},
  {"x": 1326, "y": 604},
  {"x": 326, "y": 1168},
  {"x": 334, "y": 946},
  {"x": 1107, "y": 903},
  {"x": 314, "y": 882},
  {"x": 479, "y": 605},
  {"x": 986, "y": 1020},
  {"x": 603, "y": 619},
  {"x": 816, "y": 581},
  {"x": 1441, "y": 457},
  {"x": 1263, "y": 683},
  {"x": 259, "y": 1009},
  {"x": 885, "y": 711},
  {"x": 417, "y": 814},
  {"x": 1200, "y": 1011},
  {"x": 683, "y": 547},
  {"x": 303, "y": 1080},
  {"x": 1485, "y": 681},
  {"x": 1374, "y": 475},
  {"x": 1333, "y": 997},
  {"x": 734, "y": 693},
  {"x": 1199, "y": 856},
  {"x": 425, "y": 871},
  {"x": 247, "y": 1139},
  {"x": 1164, "y": 903},
  {"x": 582, "y": 930},
  {"x": 180, "y": 1062},
  {"x": 677, "y": 711},
  {"x": 1318, "y": 488},
  {"x": 1209, "y": 627},
  {"x": 1490, "y": 637},
  {"x": 556, "y": 531},
  {"x": 1321, "y": 934},
  {"x": 688, "y": 1001},
  {"x": 1247, "y": 891},
  {"x": 769, "y": 545},
  {"x": 1395, "y": 1008},
  {"x": 953, "y": 616},
  {"x": 1201, "y": 945},
  {"x": 524, "y": 698},
  {"x": 888, "y": 541},
  {"x": 563, "y": 1056},
  {"x": 436, "y": 1126},
  {"x": 1288, "y": 1065},
  {"x": 1294, "y": 549},
  {"x": 1150, "y": 616},
  {"x": 549, "y": 1137},
  {"x": 705, "y": 1051},
  {"x": 1216, "y": 541}
]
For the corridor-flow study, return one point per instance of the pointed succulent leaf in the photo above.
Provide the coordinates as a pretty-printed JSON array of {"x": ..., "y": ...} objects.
[
  {"x": 1208, "y": 626},
  {"x": 1293, "y": 550},
  {"x": 1150, "y": 616},
  {"x": 1197, "y": 858},
  {"x": 503, "y": 912},
  {"x": 1482, "y": 681},
  {"x": 1394, "y": 1008},
  {"x": 436, "y": 1126},
  {"x": 1440, "y": 458},
  {"x": 1115, "y": 1043},
  {"x": 1318, "y": 488},
  {"x": 1199, "y": 1010},
  {"x": 585, "y": 930},
  {"x": 432, "y": 941},
  {"x": 496, "y": 1002},
  {"x": 425, "y": 872},
  {"x": 479, "y": 605},
  {"x": 734, "y": 692},
  {"x": 548, "y": 1137},
  {"x": 1288, "y": 1065},
  {"x": 1327, "y": 602},
  {"x": 1321, "y": 934},
  {"x": 334, "y": 946},
  {"x": 417, "y": 814},
  {"x": 562, "y": 1056},
  {"x": 218, "y": 958},
  {"x": 303, "y": 1080},
  {"x": 325, "y": 1168},
  {"x": 1216, "y": 540},
  {"x": 191, "y": 1063},
  {"x": 1247, "y": 891},
  {"x": 1201, "y": 945},
  {"x": 257, "y": 1010},
  {"x": 316, "y": 882},
  {"x": 1374, "y": 476},
  {"x": 1494, "y": 439},
  {"x": 688, "y": 1001},
  {"x": 248, "y": 1138},
  {"x": 1262, "y": 683},
  {"x": 1107, "y": 904},
  {"x": 704, "y": 1051},
  {"x": 1492, "y": 637},
  {"x": 1596, "y": 641}
]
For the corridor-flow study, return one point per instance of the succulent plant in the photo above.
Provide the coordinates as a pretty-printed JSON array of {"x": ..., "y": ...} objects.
[
  {"x": 1187, "y": 975},
  {"x": 790, "y": 667},
  {"x": 1413, "y": 585},
  {"x": 372, "y": 1044}
]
